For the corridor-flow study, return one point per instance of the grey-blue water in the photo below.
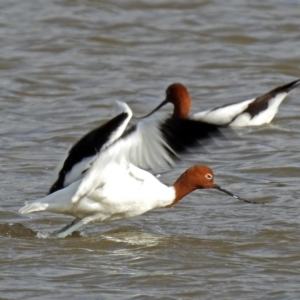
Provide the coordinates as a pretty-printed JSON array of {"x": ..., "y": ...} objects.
[{"x": 64, "y": 63}]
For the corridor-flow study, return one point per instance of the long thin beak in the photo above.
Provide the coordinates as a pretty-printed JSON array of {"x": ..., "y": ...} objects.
[
  {"x": 156, "y": 109},
  {"x": 233, "y": 195}
]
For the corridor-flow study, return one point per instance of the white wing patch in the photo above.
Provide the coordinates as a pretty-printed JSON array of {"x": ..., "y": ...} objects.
[
  {"x": 123, "y": 108},
  {"x": 222, "y": 115},
  {"x": 78, "y": 169}
]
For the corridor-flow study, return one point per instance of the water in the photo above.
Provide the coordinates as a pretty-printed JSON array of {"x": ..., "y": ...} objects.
[{"x": 62, "y": 65}]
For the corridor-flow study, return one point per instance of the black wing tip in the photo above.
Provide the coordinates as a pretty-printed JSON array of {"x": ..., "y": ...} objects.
[
  {"x": 261, "y": 103},
  {"x": 286, "y": 88}
]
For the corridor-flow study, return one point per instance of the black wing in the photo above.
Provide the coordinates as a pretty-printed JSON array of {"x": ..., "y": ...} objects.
[{"x": 86, "y": 147}]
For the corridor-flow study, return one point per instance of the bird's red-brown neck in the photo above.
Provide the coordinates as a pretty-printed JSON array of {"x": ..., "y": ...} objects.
[{"x": 178, "y": 94}]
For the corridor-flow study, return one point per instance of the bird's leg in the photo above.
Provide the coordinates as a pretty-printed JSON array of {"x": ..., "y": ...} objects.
[{"x": 68, "y": 229}]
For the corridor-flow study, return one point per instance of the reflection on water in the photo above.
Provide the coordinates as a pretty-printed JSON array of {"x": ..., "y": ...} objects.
[
  {"x": 15, "y": 230},
  {"x": 62, "y": 66},
  {"x": 132, "y": 237}
]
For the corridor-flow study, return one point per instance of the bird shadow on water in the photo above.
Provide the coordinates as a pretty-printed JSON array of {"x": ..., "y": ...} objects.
[
  {"x": 124, "y": 235},
  {"x": 124, "y": 240},
  {"x": 18, "y": 230}
]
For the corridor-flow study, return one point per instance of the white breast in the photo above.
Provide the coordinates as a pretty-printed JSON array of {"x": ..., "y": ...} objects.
[{"x": 127, "y": 192}]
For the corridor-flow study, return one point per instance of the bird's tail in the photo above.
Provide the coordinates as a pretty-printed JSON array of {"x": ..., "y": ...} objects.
[{"x": 31, "y": 207}]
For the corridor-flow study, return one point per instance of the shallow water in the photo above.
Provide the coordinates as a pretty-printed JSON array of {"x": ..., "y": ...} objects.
[{"x": 62, "y": 66}]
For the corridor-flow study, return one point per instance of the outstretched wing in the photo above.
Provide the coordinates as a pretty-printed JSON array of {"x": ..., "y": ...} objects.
[
  {"x": 149, "y": 145},
  {"x": 83, "y": 153}
]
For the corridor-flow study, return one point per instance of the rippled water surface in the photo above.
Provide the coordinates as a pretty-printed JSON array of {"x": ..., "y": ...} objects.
[{"x": 62, "y": 66}]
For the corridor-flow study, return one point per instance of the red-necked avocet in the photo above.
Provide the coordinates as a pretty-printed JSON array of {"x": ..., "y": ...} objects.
[
  {"x": 150, "y": 144},
  {"x": 114, "y": 188},
  {"x": 254, "y": 112}
]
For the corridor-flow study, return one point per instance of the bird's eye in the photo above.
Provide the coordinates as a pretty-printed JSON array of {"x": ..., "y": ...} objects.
[{"x": 209, "y": 176}]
